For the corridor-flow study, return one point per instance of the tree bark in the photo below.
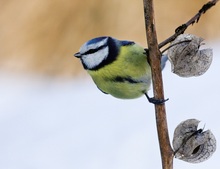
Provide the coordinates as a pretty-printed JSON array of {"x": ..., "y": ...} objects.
[{"x": 154, "y": 60}]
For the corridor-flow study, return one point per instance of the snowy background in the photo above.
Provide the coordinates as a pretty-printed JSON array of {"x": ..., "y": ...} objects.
[{"x": 69, "y": 124}]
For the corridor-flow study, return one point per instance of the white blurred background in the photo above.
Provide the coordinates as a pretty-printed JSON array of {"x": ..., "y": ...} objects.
[
  {"x": 49, "y": 123},
  {"x": 51, "y": 113}
]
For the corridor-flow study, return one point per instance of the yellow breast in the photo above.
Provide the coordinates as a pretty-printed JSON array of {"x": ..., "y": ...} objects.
[{"x": 129, "y": 76}]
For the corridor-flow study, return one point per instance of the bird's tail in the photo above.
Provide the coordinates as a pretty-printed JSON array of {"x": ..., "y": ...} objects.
[{"x": 164, "y": 59}]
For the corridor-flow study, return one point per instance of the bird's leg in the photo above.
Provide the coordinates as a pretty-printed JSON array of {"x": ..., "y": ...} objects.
[{"x": 155, "y": 101}]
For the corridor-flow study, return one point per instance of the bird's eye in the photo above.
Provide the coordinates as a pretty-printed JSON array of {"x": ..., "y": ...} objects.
[{"x": 90, "y": 51}]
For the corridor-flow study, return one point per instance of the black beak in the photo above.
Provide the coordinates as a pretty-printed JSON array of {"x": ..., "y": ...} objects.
[{"x": 78, "y": 55}]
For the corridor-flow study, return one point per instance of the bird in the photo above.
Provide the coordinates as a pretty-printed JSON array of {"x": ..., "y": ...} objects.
[{"x": 118, "y": 67}]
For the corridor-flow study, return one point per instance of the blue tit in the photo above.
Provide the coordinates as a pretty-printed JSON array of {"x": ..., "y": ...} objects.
[{"x": 119, "y": 68}]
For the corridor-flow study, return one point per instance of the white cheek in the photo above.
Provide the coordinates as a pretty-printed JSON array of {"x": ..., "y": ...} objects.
[{"x": 93, "y": 60}]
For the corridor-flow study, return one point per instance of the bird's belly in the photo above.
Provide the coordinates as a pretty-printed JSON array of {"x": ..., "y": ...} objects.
[{"x": 125, "y": 90}]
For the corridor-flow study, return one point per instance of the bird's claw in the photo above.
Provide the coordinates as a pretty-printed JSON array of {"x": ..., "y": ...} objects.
[{"x": 156, "y": 101}]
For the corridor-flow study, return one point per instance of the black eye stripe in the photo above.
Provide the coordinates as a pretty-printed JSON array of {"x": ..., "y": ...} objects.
[
  {"x": 111, "y": 55},
  {"x": 90, "y": 51}
]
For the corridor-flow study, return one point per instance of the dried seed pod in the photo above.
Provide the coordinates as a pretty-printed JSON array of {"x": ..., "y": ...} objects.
[
  {"x": 193, "y": 145},
  {"x": 186, "y": 58}
]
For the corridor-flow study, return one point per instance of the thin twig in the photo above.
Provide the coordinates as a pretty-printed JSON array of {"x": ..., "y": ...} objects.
[
  {"x": 160, "y": 112},
  {"x": 181, "y": 29},
  {"x": 174, "y": 45}
]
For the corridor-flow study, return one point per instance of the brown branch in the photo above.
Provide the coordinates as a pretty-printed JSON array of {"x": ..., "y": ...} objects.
[
  {"x": 154, "y": 60},
  {"x": 195, "y": 19},
  {"x": 175, "y": 45}
]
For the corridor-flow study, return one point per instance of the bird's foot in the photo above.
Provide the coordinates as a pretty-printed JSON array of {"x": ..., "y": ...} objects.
[{"x": 155, "y": 101}]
